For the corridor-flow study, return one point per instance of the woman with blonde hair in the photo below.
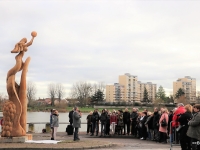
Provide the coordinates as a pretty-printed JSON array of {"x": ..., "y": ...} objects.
[
  {"x": 183, "y": 120},
  {"x": 55, "y": 123},
  {"x": 163, "y": 122}
]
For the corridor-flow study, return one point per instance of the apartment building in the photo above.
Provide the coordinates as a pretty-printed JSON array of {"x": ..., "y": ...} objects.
[
  {"x": 129, "y": 89},
  {"x": 151, "y": 89},
  {"x": 114, "y": 93},
  {"x": 188, "y": 84}
]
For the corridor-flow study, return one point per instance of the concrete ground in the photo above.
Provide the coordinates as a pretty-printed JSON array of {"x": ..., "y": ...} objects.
[{"x": 87, "y": 142}]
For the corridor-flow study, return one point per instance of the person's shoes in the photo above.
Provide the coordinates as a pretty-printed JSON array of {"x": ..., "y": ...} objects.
[
  {"x": 52, "y": 138},
  {"x": 91, "y": 134},
  {"x": 141, "y": 138},
  {"x": 124, "y": 134},
  {"x": 97, "y": 134},
  {"x": 100, "y": 136},
  {"x": 78, "y": 139}
]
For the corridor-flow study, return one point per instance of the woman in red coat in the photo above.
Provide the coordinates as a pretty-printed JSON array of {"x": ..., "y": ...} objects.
[
  {"x": 113, "y": 121},
  {"x": 162, "y": 128}
]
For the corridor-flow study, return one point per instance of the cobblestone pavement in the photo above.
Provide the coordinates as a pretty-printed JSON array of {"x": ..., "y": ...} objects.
[{"x": 102, "y": 143}]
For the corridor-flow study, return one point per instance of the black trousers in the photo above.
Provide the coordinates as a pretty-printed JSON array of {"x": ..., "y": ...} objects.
[
  {"x": 186, "y": 143},
  {"x": 133, "y": 129},
  {"x": 89, "y": 128},
  {"x": 195, "y": 144},
  {"x": 76, "y": 133},
  {"x": 163, "y": 137}
]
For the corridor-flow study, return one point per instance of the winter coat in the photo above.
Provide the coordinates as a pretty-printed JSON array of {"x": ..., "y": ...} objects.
[
  {"x": 104, "y": 117},
  {"x": 156, "y": 117},
  {"x": 89, "y": 119},
  {"x": 95, "y": 117},
  {"x": 55, "y": 120},
  {"x": 183, "y": 120},
  {"x": 166, "y": 117},
  {"x": 76, "y": 120},
  {"x": 134, "y": 116},
  {"x": 113, "y": 118},
  {"x": 120, "y": 120},
  {"x": 126, "y": 117},
  {"x": 194, "y": 127},
  {"x": 180, "y": 110},
  {"x": 149, "y": 122},
  {"x": 71, "y": 116},
  {"x": 142, "y": 121}
]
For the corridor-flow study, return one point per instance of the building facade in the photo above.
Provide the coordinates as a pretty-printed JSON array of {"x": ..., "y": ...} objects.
[
  {"x": 188, "y": 85},
  {"x": 151, "y": 89},
  {"x": 129, "y": 89}
]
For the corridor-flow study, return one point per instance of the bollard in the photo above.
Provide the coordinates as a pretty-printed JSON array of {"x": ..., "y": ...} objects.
[
  {"x": 48, "y": 127},
  {"x": 31, "y": 127}
]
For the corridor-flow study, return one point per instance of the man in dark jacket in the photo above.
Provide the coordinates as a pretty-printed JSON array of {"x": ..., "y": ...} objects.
[
  {"x": 71, "y": 116},
  {"x": 126, "y": 120},
  {"x": 156, "y": 117},
  {"x": 103, "y": 119},
  {"x": 95, "y": 122},
  {"x": 133, "y": 118}
]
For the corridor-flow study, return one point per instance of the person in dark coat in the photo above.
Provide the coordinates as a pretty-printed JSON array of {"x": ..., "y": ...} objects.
[
  {"x": 133, "y": 118},
  {"x": 108, "y": 124},
  {"x": 71, "y": 116},
  {"x": 194, "y": 128},
  {"x": 126, "y": 120},
  {"x": 149, "y": 125},
  {"x": 103, "y": 119},
  {"x": 95, "y": 122},
  {"x": 156, "y": 118},
  {"x": 89, "y": 123},
  {"x": 143, "y": 128},
  {"x": 183, "y": 120}
]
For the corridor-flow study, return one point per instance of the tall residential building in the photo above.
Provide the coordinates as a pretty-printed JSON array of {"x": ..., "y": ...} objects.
[
  {"x": 114, "y": 93},
  {"x": 129, "y": 89},
  {"x": 151, "y": 89},
  {"x": 130, "y": 86},
  {"x": 188, "y": 84}
]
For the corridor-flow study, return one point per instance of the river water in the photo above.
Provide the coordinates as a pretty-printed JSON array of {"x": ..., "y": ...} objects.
[{"x": 45, "y": 117}]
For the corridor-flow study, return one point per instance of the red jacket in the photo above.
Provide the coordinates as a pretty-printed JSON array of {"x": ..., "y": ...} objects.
[
  {"x": 113, "y": 118},
  {"x": 180, "y": 110}
]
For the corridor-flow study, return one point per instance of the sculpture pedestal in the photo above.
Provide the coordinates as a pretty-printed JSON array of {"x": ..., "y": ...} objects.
[{"x": 20, "y": 139}]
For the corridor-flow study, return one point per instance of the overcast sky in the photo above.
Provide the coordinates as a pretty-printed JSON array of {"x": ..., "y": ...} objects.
[{"x": 96, "y": 41}]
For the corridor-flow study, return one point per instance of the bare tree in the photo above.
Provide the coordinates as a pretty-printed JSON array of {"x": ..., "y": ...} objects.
[
  {"x": 81, "y": 91},
  {"x": 60, "y": 91},
  {"x": 98, "y": 86},
  {"x": 31, "y": 91},
  {"x": 52, "y": 92}
]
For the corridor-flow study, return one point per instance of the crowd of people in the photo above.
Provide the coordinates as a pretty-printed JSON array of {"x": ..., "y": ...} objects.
[{"x": 180, "y": 125}]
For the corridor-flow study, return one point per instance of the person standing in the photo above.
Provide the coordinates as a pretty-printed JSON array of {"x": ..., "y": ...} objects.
[
  {"x": 113, "y": 121},
  {"x": 126, "y": 120},
  {"x": 156, "y": 117},
  {"x": 51, "y": 125},
  {"x": 163, "y": 129},
  {"x": 95, "y": 122},
  {"x": 194, "y": 128},
  {"x": 183, "y": 120},
  {"x": 76, "y": 122},
  {"x": 55, "y": 123},
  {"x": 133, "y": 118},
  {"x": 103, "y": 119},
  {"x": 89, "y": 122},
  {"x": 71, "y": 116}
]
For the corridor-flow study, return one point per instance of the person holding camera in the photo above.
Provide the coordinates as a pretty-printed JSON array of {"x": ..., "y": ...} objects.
[{"x": 76, "y": 122}]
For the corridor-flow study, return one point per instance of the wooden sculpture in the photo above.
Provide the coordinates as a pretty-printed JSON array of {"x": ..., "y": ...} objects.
[{"x": 15, "y": 109}]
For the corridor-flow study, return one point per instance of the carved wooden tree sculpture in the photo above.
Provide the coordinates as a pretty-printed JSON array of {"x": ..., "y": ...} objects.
[{"x": 15, "y": 109}]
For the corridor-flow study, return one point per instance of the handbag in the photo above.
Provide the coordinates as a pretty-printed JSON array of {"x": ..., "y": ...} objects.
[{"x": 163, "y": 123}]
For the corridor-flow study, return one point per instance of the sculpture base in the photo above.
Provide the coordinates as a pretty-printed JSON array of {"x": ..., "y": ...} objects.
[{"x": 20, "y": 139}]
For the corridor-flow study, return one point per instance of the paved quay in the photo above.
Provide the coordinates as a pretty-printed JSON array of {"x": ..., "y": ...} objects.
[{"x": 88, "y": 142}]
